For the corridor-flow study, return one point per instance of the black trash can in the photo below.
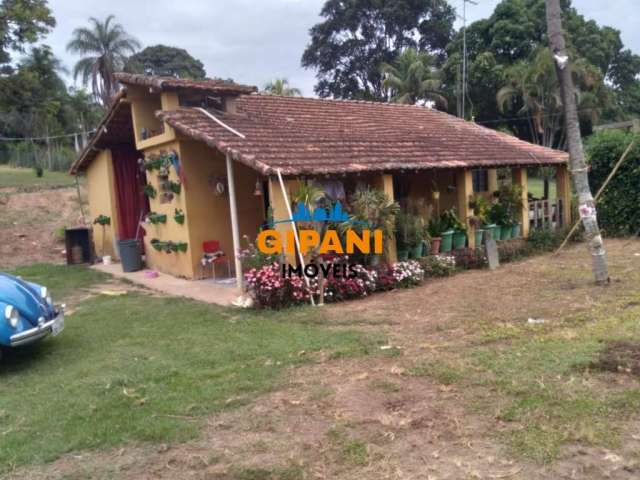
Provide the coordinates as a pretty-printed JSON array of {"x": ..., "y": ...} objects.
[{"x": 130, "y": 255}]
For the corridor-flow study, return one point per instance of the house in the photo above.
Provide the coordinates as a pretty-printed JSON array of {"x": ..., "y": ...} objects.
[{"x": 232, "y": 153}]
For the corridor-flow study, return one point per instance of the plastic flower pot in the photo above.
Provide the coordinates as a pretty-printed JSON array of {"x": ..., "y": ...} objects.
[
  {"x": 447, "y": 241},
  {"x": 479, "y": 237},
  {"x": 505, "y": 232},
  {"x": 516, "y": 230},
  {"x": 435, "y": 245},
  {"x": 493, "y": 230},
  {"x": 416, "y": 252},
  {"x": 403, "y": 255},
  {"x": 459, "y": 240}
]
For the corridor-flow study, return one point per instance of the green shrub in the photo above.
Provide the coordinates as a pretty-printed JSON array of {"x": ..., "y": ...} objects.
[{"x": 618, "y": 211}]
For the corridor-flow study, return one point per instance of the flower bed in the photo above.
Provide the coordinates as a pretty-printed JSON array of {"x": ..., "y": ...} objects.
[{"x": 270, "y": 289}]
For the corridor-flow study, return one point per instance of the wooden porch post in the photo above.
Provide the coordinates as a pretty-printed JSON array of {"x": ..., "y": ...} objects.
[
  {"x": 492, "y": 176},
  {"x": 384, "y": 182},
  {"x": 464, "y": 187},
  {"x": 520, "y": 178},
  {"x": 235, "y": 230},
  {"x": 563, "y": 192}
]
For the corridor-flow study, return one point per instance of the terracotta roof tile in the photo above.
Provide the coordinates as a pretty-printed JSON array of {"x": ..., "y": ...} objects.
[
  {"x": 171, "y": 83},
  {"x": 315, "y": 136}
]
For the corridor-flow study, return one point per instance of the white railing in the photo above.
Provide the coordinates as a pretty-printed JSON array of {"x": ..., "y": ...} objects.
[{"x": 547, "y": 214}]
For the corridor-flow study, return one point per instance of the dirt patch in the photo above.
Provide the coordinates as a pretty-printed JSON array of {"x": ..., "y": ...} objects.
[
  {"x": 619, "y": 357},
  {"x": 31, "y": 226}
]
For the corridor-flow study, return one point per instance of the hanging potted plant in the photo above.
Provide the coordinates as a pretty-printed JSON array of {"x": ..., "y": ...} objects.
[
  {"x": 156, "y": 218},
  {"x": 178, "y": 216},
  {"x": 149, "y": 191}
]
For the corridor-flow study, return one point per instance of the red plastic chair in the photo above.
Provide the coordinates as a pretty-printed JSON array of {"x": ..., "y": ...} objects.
[{"x": 212, "y": 255}]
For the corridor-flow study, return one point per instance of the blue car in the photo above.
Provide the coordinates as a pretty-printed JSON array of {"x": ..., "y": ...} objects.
[{"x": 27, "y": 312}]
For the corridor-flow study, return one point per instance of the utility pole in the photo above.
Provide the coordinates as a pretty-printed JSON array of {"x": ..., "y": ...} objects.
[
  {"x": 464, "y": 54},
  {"x": 577, "y": 163}
]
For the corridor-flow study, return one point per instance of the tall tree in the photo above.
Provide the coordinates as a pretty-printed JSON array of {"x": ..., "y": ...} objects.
[
  {"x": 587, "y": 206},
  {"x": 22, "y": 22},
  {"x": 531, "y": 89},
  {"x": 357, "y": 36},
  {"x": 513, "y": 33},
  {"x": 165, "y": 60},
  {"x": 412, "y": 77},
  {"x": 105, "y": 47},
  {"x": 280, "y": 86}
]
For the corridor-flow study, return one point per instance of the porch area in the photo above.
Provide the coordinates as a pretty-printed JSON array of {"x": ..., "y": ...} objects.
[{"x": 218, "y": 292}]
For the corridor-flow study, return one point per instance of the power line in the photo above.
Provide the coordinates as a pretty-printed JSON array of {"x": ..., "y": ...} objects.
[
  {"x": 531, "y": 117},
  {"x": 27, "y": 139}
]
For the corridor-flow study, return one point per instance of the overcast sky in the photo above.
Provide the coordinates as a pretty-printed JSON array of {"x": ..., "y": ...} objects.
[{"x": 253, "y": 41}]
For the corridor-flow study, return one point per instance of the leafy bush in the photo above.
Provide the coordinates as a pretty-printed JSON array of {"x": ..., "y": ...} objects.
[
  {"x": 342, "y": 288},
  {"x": 618, "y": 211},
  {"x": 438, "y": 265},
  {"x": 407, "y": 274},
  {"x": 470, "y": 258},
  {"x": 270, "y": 289}
]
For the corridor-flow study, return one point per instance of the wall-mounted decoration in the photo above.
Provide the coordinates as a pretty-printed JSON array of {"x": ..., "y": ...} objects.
[
  {"x": 218, "y": 184},
  {"x": 156, "y": 218},
  {"x": 169, "y": 246},
  {"x": 163, "y": 160},
  {"x": 150, "y": 191},
  {"x": 166, "y": 197},
  {"x": 178, "y": 216},
  {"x": 175, "y": 187}
]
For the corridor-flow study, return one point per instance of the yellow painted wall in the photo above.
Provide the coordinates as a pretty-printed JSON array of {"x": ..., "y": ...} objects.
[
  {"x": 279, "y": 207},
  {"x": 102, "y": 201},
  {"x": 178, "y": 263},
  {"x": 143, "y": 107},
  {"x": 208, "y": 214}
]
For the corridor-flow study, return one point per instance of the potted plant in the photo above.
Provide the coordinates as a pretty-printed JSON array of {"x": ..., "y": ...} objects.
[
  {"x": 434, "y": 229},
  {"x": 451, "y": 225},
  {"x": 404, "y": 234},
  {"x": 372, "y": 209},
  {"x": 511, "y": 197},
  {"x": 480, "y": 206},
  {"x": 499, "y": 217},
  {"x": 422, "y": 238}
]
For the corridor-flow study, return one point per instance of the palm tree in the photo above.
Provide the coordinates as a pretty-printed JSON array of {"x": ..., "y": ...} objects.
[
  {"x": 532, "y": 88},
  {"x": 105, "y": 46},
  {"x": 412, "y": 78},
  {"x": 280, "y": 86}
]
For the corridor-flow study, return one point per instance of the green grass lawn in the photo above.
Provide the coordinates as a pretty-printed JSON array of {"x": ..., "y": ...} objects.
[
  {"x": 26, "y": 179},
  {"x": 137, "y": 368},
  {"x": 536, "y": 187}
]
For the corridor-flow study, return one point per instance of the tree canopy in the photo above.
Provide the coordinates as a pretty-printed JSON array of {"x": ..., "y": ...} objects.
[
  {"x": 22, "y": 22},
  {"x": 412, "y": 78},
  {"x": 357, "y": 36},
  {"x": 165, "y": 60}
]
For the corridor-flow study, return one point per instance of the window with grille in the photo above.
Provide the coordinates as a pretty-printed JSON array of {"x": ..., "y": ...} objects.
[{"x": 480, "y": 180}]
